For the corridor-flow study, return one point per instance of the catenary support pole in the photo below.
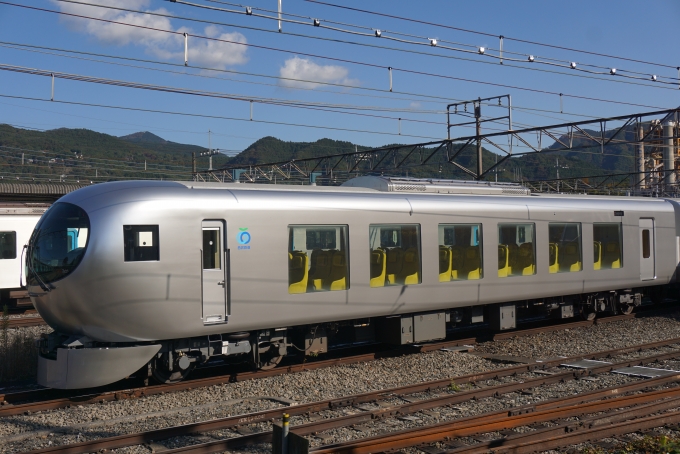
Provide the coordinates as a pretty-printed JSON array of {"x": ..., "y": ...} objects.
[{"x": 478, "y": 116}]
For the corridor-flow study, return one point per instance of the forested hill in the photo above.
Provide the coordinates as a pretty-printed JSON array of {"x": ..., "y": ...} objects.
[{"x": 78, "y": 152}]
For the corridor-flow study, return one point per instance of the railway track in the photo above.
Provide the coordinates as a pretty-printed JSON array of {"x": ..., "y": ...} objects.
[
  {"x": 24, "y": 322},
  {"x": 440, "y": 395},
  {"x": 50, "y": 399}
]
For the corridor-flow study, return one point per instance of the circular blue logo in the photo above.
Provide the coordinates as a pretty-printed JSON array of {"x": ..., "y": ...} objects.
[{"x": 243, "y": 238}]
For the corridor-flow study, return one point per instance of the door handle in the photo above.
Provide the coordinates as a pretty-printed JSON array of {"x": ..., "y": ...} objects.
[{"x": 221, "y": 283}]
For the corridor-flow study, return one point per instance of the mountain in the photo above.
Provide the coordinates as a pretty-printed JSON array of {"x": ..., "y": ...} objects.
[
  {"x": 75, "y": 154},
  {"x": 83, "y": 154},
  {"x": 143, "y": 137}
]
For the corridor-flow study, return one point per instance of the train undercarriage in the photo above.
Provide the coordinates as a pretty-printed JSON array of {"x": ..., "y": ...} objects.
[{"x": 173, "y": 360}]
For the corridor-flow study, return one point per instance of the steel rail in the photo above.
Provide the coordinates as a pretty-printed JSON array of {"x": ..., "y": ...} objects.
[
  {"x": 331, "y": 404},
  {"x": 25, "y": 322},
  {"x": 476, "y": 425},
  {"x": 539, "y": 437}
]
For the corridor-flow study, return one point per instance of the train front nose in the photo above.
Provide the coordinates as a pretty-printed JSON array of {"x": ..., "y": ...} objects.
[{"x": 55, "y": 250}]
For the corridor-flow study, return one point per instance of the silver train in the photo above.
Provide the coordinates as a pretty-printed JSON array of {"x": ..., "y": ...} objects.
[{"x": 163, "y": 276}]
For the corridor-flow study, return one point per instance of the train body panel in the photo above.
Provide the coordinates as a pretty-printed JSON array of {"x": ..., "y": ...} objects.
[
  {"x": 111, "y": 300},
  {"x": 141, "y": 253}
]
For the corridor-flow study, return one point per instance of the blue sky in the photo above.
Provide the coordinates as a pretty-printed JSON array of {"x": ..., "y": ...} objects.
[{"x": 623, "y": 28}]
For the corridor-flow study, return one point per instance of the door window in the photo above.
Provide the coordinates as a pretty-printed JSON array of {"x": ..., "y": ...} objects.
[{"x": 212, "y": 256}]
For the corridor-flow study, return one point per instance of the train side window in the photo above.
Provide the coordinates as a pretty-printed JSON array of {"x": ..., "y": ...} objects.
[
  {"x": 516, "y": 250},
  {"x": 394, "y": 254},
  {"x": 317, "y": 258},
  {"x": 564, "y": 247},
  {"x": 645, "y": 244},
  {"x": 608, "y": 238},
  {"x": 460, "y": 252},
  {"x": 141, "y": 243},
  {"x": 8, "y": 245}
]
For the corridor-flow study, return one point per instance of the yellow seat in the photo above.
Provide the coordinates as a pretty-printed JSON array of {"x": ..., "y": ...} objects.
[
  {"x": 597, "y": 255},
  {"x": 337, "y": 278},
  {"x": 444, "y": 263},
  {"x": 524, "y": 262},
  {"x": 321, "y": 267},
  {"x": 298, "y": 272},
  {"x": 395, "y": 259},
  {"x": 554, "y": 264},
  {"x": 457, "y": 262},
  {"x": 570, "y": 257},
  {"x": 410, "y": 267},
  {"x": 472, "y": 265},
  {"x": 513, "y": 259},
  {"x": 503, "y": 260},
  {"x": 612, "y": 255},
  {"x": 378, "y": 268}
]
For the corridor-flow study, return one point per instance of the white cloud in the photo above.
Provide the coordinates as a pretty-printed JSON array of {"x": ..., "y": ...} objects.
[
  {"x": 415, "y": 105},
  {"x": 305, "y": 69},
  {"x": 163, "y": 45}
]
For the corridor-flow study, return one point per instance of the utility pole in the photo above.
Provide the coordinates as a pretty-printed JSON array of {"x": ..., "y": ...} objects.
[
  {"x": 640, "y": 159},
  {"x": 193, "y": 165},
  {"x": 210, "y": 147},
  {"x": 478, "y": 122}
]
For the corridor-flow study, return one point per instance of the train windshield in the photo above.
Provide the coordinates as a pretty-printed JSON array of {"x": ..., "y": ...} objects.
[{"x": 57, "y": 244}]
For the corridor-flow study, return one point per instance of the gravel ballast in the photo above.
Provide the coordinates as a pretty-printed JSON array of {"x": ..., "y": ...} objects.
[{"x": 153, "y": 412}]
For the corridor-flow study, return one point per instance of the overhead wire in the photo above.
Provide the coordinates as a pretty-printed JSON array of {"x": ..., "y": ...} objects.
[
  {"x": 343, "y": 60},
  {"x": 416, "y": 96},
  {"x": 536, "y": 43},
  {"x": 319, "y": 23},
  {"x": 217, "y": 117},
  {"x": 171, "y": 16}
]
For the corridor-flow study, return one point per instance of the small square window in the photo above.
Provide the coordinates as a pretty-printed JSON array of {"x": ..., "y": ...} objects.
[
  {"x": 8, "y": 245},
  {"x": 141, "y": 243}
]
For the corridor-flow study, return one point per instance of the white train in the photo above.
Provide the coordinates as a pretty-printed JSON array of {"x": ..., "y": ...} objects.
[
  {"x": 17, "y": 221},
  {"x": 164, "y": 276}
]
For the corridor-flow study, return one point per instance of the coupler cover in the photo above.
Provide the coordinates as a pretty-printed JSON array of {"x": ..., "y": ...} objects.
[{"x": 77, "y": 368}]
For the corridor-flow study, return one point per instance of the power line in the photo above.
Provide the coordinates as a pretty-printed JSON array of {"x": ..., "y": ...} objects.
[
  {"x": 167, "y": 89},
  {"x": 429, "y": 42},
  {"x": 536, "y": 43},
  {"x": 358, "y": 87},
  {"x": 568, "y": 65},
  {"x": 218, "y": 117},
  {"x": 372, "y": 65}
]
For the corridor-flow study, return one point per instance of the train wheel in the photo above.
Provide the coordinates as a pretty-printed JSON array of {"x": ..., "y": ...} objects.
[
  {"x": 588, "y": 315},
  {"x": 160, "y": 372},
  {"x": 626, "y": 309},
  {"x": 269, "y": 361}
]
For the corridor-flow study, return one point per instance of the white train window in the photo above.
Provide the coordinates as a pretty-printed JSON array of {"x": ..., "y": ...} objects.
[
  {"x": 460, "y": 252},
  {"x": 516, "y": 250},
  {"x": 565, "y": 247},
  {"x": 394, "y": 254},
  {"x": 141, "y": 243},
  {"x": 607, "y": 243},
  {"x": 317, "y": 258},
  {"x": 8, "y": 245}
]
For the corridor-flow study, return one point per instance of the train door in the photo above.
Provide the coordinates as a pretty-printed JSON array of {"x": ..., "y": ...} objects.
[
  {"x": 214, "y": 285},
  {"x": 647, "y": 270}
]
